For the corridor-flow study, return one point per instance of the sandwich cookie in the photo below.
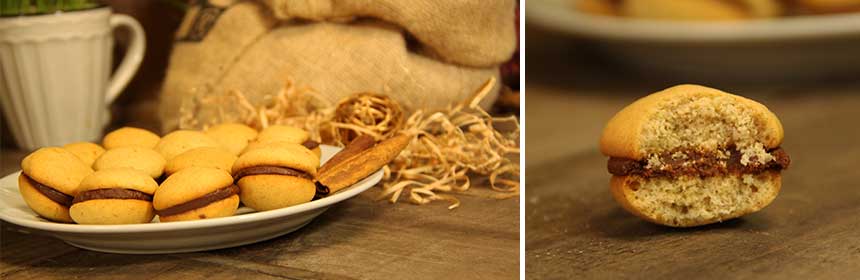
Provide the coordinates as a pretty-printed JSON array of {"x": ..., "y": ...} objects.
[
  {"x": 180, "y": 141},
  {"x": 49, "y": 182},
  {"x": 276, "y": 177},
  {"x": 144, "y": 159},
  {"x": 213, "y": 157},
  {"x": 86, "y": 151},
  {"x": 114, "y": 196},
  {"x": 196, "y": 193},
  {"x": 232, "y": 136},
  {"x": 692, "y": 155},
  {"x": 284, "y": 133},
  {"x": 130, "y": 136}
]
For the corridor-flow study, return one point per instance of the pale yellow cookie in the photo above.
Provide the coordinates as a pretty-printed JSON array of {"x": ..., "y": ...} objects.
[
  {"x": 140, "y": 158},
  {"x": 130, "y": 136},
  {"x": 86, "y": 151},
  {"x": 232, "y": 136}
]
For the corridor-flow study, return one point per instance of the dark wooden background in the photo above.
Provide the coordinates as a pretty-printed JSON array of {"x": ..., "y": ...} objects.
[{"x": 575, "y": 230}]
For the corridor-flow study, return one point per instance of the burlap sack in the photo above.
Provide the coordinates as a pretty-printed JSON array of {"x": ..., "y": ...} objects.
[{"x": 423, "y": 53}]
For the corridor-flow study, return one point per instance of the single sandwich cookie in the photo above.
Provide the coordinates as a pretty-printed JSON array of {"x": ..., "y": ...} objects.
[
  {"x": 130, "y": 136},
  {"x": 232, "y": 136},
  {"x": 213, "y": 157},
  {"x": 114, "y": 196},
  {"x": 144, "y": 159},
  {"x": 49, "y": 182},
  {"x": 196, "y": 193},
  {"x": 691, "y": 155},
  {"x": 86, "y": 151},
  {"x": 276, "y": 177},
  {"x": 180, "y": 141}
]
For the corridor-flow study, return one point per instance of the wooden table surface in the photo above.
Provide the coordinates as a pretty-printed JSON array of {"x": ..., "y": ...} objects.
[
  {"x": 356, "y": 239},
  {"x": 575, "y": 230}
]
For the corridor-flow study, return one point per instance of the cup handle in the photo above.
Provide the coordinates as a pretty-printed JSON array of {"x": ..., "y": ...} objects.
[{"x": 133, "y": 56}]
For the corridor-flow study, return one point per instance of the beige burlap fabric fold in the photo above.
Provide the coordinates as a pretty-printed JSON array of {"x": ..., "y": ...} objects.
[
  {"x": 426, "y": 54},
  {"x": 476, "y": 33}
]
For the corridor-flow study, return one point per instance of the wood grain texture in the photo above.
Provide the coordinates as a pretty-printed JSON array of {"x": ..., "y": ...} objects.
[
  {"x": 575, "y": 230},
  {"x": 357, "y": 239}
]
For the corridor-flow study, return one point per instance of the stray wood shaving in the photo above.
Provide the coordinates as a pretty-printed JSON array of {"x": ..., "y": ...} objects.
[{"x": 451, "y": 144}]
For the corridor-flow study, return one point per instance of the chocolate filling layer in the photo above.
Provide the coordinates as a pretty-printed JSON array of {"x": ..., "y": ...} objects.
[
  {"x": 311, "y": 144},
  {"x": 274, "y": 170},
  {"x": 51, "y": 193},
  {"x": 199, "y": 202},
  {"x": 322, "y": 191},
  {"x": 698, "y": 163},
  {"x": 112, "y": 193}
]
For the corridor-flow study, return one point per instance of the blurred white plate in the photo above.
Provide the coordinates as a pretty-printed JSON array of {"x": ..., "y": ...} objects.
[
  {"x": 777, "y": 49},
  {"x": 245, "y": 227}
]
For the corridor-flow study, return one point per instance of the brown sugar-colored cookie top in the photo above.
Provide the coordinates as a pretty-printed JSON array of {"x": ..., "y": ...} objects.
[
  {"x": 282, "y": 133},
  {"x": 180, "y": 141},
  {"x": 86, "y": 151},
  {"x": 130, "y": 136},
  {"x": 140, "y": 158},
  {"x": 232, "y": 136},
  {"x": 214, "y": 157}
]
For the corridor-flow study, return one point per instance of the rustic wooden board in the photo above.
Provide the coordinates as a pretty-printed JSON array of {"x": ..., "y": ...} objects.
[
  {"x": 359, "y": 238},
  {"x": 575, "y": 230}
]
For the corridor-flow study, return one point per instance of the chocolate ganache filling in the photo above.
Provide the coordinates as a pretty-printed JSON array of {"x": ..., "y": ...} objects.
[
  {"x": 695, "y": 163},
  {"x": 112, "y": 193},
  {"x": 321, "y": 191},
  {"x": 199, "y": 202},
  {"x": 271, "y": 170},
  {"x": 311, "y": 144},
  {"x": 51, "y": 193}
]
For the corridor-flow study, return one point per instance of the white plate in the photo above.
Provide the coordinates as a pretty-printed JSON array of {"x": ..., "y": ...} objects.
[
  {"x": 245, "y": 227},
  {"x": 781, "y": 49}
]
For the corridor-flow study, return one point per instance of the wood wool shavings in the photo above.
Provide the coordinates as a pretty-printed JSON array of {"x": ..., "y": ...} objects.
[{"x": 449, "y": 145}]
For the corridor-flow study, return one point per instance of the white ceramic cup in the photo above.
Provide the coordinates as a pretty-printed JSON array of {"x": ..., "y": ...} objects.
[{"x": 55, "y": 82}]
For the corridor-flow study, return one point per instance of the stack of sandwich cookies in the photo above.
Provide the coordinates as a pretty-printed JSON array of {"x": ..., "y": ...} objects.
[
  {"x": 202, "y": 177},
  {"x": 212, "y": 157},
  {"x": 283, "y": 133},
  {"x": 180, "y": 141},
  {"x": 114, "y": 196},
  {"x": 196, "y": 193},
  {"x": 86, "y": 151},
  {"x": 232, "y": 136},
  {"x": 140, "y": 158},
  {"x": 49, "y": 182},
  {"x": 130, "y": 136},
  {"x": 692, "y": 155},
  {"x": 277, "y": 176}
]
